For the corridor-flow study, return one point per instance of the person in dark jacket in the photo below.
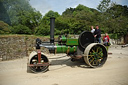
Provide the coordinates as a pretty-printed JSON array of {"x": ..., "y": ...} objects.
[{"x": 97, "y": 34}]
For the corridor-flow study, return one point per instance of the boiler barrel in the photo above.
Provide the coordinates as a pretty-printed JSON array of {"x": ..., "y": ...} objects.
[{"x": 60, "y": 48}]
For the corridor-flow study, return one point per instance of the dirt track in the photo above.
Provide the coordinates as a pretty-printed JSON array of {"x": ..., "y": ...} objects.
[{"x": 64, "y": 72}]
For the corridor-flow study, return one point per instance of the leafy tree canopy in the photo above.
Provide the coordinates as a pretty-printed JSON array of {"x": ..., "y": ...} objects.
[
  {"x": 20, "y": 12},
  {"x": 111, "y": 18}
]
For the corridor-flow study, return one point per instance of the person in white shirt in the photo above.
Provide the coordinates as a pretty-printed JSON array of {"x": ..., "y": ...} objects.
[{"x": 92, "y": 29}]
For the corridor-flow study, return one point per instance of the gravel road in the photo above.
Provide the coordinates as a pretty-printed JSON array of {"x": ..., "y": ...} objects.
[{"x": 64, "y": 72}]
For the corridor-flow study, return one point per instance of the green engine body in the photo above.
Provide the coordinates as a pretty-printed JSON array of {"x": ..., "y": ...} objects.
[
  {"x": 73, "y": 45},
  {"x": 69, "y": 41},
  {"x": 66, "y": 45}
]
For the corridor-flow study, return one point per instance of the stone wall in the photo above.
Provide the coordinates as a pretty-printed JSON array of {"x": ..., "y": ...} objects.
[
  {"x": 117, "y": 41},
  {"x": 17, "y": 46},
  {"x": 120, "y": 41}
]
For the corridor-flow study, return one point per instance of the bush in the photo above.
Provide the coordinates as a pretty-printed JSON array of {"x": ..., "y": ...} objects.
[
  {"x": 42, "y": 31},
  {"x": 4, "y": 28},
  {"x": 57, "y": 32},
  {"x": 20, "y": 29},
  {"x": 113, "y": 36}
]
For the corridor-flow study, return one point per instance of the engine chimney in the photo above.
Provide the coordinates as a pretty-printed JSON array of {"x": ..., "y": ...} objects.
[{"x": 52, "y": 24}]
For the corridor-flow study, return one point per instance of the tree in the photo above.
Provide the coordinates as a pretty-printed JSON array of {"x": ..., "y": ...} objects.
[
  {"x": 3, "y": 14},
  {"x": 105, "y": 18},
  {"x": 104, "y": 5},
  {"x": 52, "y": 14},
  {"x": 119, "y": 18},
  {"x": 21, "y": 12},
  {"x": 113, "y": 17},
  {"x": 20, "y": 29},
  {"x": 44, "y": 27},
  {"x": 30, "y": 19},
  {"x": 78, "y": 19},
  {"x": 15, "y": 8}
]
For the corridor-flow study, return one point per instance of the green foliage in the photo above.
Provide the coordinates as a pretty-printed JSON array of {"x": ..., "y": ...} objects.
[
  {"x": 3, "y": 14},
  {"x": 30, "y": 19},
  {"x": 21, "y": 12},
  {"x": 119, "y": 17},
  {"x": 16, "y": 8},
  {"x": 44, "y": 27},
  {"x": 114, "y": 18},
  {"x": 110, "y": 17},
  {"x": 76, "y": 20},
  {"x": 68, "y": 12},
  {"x": 83, "y": 8},
  {"x": 117, "y": 11},
  {"x": 4, "y": 28},
  {"x": 104, "y": 5},
  {"x": 113, "y": 36},
  {"x": 52, "y": 14},
  {"x": 20, "y": 29},
  {"x": 42, "y": 30}
]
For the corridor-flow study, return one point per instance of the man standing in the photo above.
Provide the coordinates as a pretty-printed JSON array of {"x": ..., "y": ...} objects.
[
  {"x": 97, "y": 34},
  {"x": 92, "y": 30}
]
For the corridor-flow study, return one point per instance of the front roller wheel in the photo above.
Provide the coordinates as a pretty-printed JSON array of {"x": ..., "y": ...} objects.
[
  {"x": 38, "y": 67},
  {"x": 95, "y": 55}
]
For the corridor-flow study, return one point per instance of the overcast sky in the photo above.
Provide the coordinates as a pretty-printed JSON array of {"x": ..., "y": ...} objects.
[{"x": 60, "y": 5}]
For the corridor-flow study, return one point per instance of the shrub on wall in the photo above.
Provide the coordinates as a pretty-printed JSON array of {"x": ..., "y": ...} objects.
[
  {"x": 20, "y": 29},
  {"x": 4, "y": 28}
]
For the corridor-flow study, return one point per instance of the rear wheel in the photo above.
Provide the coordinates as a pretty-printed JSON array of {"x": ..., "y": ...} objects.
[{"x": 95, "y": 55}]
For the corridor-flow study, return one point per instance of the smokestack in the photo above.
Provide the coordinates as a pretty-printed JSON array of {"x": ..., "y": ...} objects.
[{"x": 52, "y": 25}]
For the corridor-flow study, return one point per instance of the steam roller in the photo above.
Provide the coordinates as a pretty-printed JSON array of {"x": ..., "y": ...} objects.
[{"x": 83, "y": 47}]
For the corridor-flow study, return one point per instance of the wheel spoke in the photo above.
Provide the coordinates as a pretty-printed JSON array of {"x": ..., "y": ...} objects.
[
  {"x": 100, "y": 52},
  {"x": 92, "y": 60},
  {"x": 97, "y": 62},
  {"x": 97, "y": 49},
  {"x": 90, "y": 56},
  {"x": 93, "y": 50},
  {"x": 100, "y": 57}
]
